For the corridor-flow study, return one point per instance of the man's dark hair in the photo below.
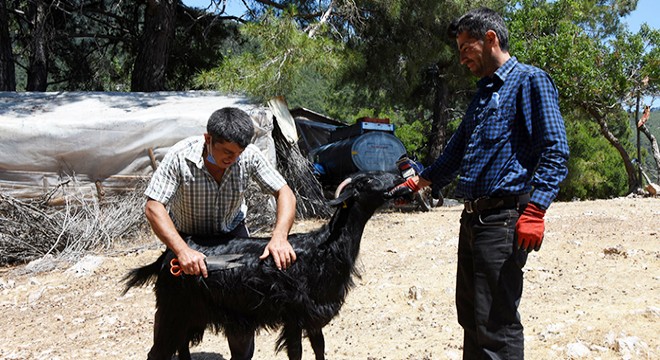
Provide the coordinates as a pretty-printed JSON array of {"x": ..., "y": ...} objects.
[
  {"x": 477, "y": 22},
  {"x": 231, "y": 124}
]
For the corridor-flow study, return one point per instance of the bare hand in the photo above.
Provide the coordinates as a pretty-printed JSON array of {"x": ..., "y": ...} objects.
[
  {"x": 192, "y": 262},
  {"x": 282, "y": 253}
]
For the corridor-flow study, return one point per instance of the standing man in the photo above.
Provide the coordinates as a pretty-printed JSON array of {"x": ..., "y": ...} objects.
[
  {"x": 510, "y": 154},
  {"x": 204, "y": 180}
]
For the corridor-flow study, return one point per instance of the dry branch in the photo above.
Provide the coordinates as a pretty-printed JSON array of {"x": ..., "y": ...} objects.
[
  {"x": 297, "y": 170},
  {"x": 32, "y": 228}
]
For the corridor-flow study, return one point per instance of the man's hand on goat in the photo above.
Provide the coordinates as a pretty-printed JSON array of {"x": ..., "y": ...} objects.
[
  {"x": 281, "y": 250},
  {"x": 192, "y": 262}
]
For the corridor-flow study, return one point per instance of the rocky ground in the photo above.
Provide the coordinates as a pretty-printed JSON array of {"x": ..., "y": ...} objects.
[{"x": 592, "y": 292}]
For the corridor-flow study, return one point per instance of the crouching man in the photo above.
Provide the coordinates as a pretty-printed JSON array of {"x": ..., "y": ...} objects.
[{"x": 199, "y": 189}]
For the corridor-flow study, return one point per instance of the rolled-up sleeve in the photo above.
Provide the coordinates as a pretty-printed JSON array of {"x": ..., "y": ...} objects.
[
  {"x": 264, "y": 173},
  {"x": 165, "y": 180}
]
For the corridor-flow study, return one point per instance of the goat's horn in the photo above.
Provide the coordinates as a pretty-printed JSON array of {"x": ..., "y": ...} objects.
[{"x": 341, "y": 186}]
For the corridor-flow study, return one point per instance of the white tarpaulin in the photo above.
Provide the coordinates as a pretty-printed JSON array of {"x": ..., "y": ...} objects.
[{"x": 47, "y": 137}]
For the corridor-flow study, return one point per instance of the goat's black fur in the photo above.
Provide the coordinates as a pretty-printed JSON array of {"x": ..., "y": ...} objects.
[{"x": 257, "y": 295}]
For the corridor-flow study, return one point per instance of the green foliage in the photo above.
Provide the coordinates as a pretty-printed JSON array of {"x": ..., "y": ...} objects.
[
  {"x": 91, "y": 46},
  {"x": 283, "y": 60},
  {"x": 414, "y": 136},
  {"x": 594, "y": 168},
  {"x": 88, "y": 46},
  {"x": 596, "y": 63},
  {"x": 399, "y": 43},
  {"x": 199, "y": 45}
]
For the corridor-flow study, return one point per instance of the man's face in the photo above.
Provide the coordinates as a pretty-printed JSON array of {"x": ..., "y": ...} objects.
[
  {"x": 472, "y": 54},
  {"x": 224, "y": 153}
]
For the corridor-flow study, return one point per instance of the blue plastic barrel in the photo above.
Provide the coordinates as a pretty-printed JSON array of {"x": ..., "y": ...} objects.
[{"x": 374, "y": 150}]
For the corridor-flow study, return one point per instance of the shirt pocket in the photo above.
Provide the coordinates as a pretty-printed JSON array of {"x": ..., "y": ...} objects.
[
  {"x": 235, "y": 183},
  {"x": 497, "y": 125}
]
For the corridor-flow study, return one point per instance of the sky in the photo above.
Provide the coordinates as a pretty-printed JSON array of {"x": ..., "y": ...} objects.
[
  {"x": 647, "y": 11},
  {"x": 234, "y": 7}
]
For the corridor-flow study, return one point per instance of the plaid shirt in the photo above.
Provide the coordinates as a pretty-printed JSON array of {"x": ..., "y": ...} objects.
[
  {"x": 197, "y": 203},
  {"x": 512, "y": 139}
]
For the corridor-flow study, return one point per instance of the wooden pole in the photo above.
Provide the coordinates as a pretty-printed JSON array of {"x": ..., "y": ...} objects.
[
  {"x": 100, "y": 192},
  {"x": 154, "y": 163}
]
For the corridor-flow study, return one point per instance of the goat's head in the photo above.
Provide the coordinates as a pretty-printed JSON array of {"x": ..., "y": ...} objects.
[{"x": 366, "y": 187}]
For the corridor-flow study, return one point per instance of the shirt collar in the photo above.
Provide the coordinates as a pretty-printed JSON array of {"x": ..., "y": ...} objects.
[
  {"x": 499, "y": 77},
  {"x": 196, "y": 152}
]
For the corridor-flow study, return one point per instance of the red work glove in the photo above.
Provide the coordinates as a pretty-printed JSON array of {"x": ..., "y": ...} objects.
[
  {"x": 530, "y": 228},
  {"x": 404, "y": 189}
]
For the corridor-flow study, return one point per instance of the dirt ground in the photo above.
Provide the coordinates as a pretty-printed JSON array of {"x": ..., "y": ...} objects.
[{"x": 592, "y": 292}]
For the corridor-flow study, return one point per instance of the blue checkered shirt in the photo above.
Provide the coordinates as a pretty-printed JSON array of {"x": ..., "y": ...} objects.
[
  {"x": 512, "y": 139},
  {"x": 197, "y": 203}
]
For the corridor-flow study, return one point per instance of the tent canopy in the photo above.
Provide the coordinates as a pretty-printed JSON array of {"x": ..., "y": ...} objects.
[{"x": 93, "y": 136}]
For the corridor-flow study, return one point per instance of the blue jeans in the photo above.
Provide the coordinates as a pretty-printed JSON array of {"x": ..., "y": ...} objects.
[{"x": 489, "y": 285}]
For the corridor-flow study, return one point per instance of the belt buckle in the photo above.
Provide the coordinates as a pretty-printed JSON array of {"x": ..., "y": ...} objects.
[
  {"x": 472, "y": 206},
  {"x": 468, "y": 206}
]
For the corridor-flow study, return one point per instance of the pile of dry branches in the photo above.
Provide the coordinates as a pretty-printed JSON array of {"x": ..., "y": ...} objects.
[
  {"x": 33, "y": 228},
  {"x": 261, "y": 213},
  {"x": 297, "y": 170}
]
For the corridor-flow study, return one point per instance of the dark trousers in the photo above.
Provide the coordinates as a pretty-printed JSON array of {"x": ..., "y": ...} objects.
[
  {"x": 241, "y": 231},
  {"x": 489, "y": 285}
]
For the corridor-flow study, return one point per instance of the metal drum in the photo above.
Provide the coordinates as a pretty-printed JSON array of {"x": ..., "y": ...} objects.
[{"x": 375, "y": 150}]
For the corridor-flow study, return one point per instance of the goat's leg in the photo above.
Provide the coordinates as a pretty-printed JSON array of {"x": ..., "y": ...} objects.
[
  {"x": 195, "y": 335},
  {"x": 184, "y": 352},
  {"x": 241, "y": 344},
  {"x": 318, "y": 342},
  {"x": 292, "y": 335},
  {"x": 167, "y": 335}
]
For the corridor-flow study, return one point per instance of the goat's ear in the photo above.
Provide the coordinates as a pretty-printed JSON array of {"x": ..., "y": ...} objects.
[{"x": 343, "y": 196}]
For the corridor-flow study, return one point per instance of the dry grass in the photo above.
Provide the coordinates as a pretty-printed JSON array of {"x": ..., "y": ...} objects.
[{"x": 67, "y": 222}]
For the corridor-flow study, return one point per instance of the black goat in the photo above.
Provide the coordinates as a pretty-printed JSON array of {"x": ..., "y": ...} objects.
[{"x": 256, "y": 295}]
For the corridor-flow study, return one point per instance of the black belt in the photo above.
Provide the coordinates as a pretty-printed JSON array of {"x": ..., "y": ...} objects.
[{"x": 489, "y": 203}]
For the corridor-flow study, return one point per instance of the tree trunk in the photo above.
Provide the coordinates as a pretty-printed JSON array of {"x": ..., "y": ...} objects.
[
  {"x": 7, "y": 69},
  {"x": 155, "y": 45},
  {"x": 38, "y": 68},
  {"x": 438, "y": 138},
  {"x": 656, "y": 150},
  {"x": 634, "y": 183}
]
